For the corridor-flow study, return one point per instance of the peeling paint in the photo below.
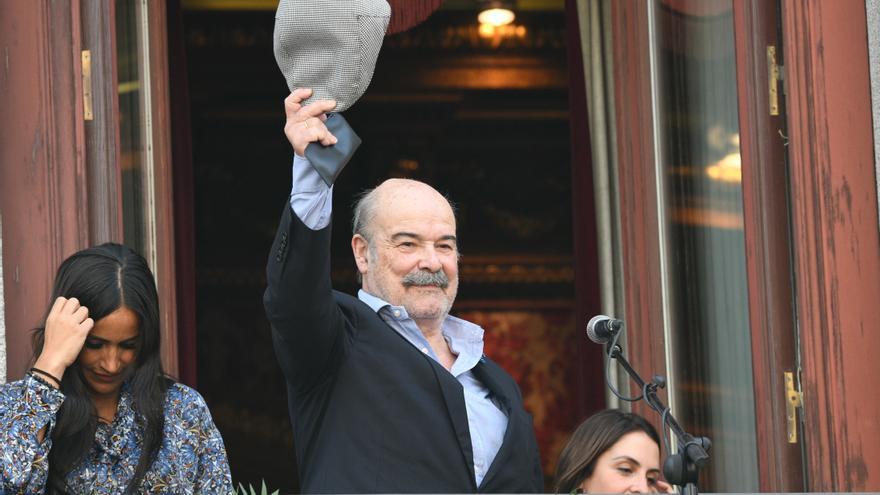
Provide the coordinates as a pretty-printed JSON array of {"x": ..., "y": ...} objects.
[
  {"x": 847, "y": 195},
  {"x": 36, "y": 146},
  {"x": 6, "y": 64},
  {"x": 857, "y": 473}
]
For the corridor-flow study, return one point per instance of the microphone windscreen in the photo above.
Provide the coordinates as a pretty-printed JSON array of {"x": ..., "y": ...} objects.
[{"x": 597, "y": 329}]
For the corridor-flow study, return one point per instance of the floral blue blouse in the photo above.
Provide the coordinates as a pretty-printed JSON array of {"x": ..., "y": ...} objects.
[{"x": 191, "y": 459}]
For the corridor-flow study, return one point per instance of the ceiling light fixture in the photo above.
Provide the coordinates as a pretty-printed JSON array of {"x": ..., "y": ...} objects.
[
  {"x": 727, "y": 169},
  {"x": 496, "y": 13}
]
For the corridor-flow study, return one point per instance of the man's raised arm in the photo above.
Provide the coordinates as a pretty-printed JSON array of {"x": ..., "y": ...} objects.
[{"x": 299, "y": 303}]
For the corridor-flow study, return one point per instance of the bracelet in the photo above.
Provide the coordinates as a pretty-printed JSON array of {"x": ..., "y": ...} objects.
[
  {"x": 42, "y": 380},
  {"x": 47, "y": 375}
]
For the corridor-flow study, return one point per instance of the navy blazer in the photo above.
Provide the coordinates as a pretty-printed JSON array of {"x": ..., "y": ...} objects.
[{"x": 370, "y": 412}]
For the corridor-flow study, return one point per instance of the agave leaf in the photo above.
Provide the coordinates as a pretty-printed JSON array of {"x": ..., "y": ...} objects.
[{"x": 250, "y": 490}]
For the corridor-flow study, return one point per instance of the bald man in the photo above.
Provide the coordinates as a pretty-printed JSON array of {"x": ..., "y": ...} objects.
[{"x": 387, "y": 392}]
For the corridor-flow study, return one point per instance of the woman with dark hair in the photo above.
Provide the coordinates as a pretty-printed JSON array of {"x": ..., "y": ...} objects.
[
  {"x": 611, "y": 452},
  {"x": 96, "y": 414}
]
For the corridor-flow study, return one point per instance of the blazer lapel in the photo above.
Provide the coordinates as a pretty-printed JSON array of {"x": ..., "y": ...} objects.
[
  {"x": 453, "y": 395},
  {"x": 483, "y": 373}
]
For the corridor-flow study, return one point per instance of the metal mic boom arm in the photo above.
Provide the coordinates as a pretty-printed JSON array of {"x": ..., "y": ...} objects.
[{"x": 680, "y": 469}]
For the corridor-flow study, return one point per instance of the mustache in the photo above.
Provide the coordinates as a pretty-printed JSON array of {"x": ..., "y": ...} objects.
[{"x": 421, "y": 278}]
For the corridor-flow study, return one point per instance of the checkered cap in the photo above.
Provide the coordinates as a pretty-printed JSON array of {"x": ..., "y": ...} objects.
[{"x": 330, "y": 46}]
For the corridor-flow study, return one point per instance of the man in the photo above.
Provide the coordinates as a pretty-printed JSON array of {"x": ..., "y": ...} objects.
[{"x": 387, "y": 392}]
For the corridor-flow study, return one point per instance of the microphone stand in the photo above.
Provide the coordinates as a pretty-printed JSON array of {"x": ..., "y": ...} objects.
[{"x": 682, "y": 468}]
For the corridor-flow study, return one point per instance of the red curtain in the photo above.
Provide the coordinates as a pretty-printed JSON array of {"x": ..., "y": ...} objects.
[
  {"x": 590, "y": 393},
  {"x": 184, "y": 209},
  {"x": 407, "y": 13}
]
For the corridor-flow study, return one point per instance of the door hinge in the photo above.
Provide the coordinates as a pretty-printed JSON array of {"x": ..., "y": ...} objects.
[
  {"x": 774, "y": 77},
  {"x": 794, "y": 400},
  {"x": 88, "y": 114}
]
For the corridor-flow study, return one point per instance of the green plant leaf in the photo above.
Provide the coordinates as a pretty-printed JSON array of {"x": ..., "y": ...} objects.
[{"x": 250, "y": 490}]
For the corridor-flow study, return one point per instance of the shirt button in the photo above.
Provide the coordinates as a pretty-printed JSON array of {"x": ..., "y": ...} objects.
[
  {"x": 425, "y": 350},
  {"x": 397, "y": 313}
]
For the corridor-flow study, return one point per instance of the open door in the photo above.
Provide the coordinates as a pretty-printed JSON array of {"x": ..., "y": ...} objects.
[
  {"x": 767, "y": 221},
  {"x": 84, "y": 150},
  {"x": 707, "y": 236}
]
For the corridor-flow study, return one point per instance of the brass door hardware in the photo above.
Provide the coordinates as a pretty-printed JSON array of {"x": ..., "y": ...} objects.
[
  {"x": 87, "y": 85},
  {"x": 794, "y": 400},
  {"x": 774, "y": 76}
]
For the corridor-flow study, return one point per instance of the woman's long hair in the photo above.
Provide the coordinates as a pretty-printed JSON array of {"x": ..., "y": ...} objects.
[
  {"x": 103, "y": 279},
  {"x": 591, "y": 439}
]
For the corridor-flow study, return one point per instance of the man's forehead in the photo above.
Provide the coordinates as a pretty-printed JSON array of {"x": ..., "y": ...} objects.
[
  {"x": 393, "y": 190},
  {"x": 416, "y": 220},
  {"x": 403, "y": 234},
  {"x": 414, "y": 206}
]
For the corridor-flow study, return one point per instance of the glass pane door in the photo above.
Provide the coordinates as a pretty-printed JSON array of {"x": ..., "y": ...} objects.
[
  {"x": 698, "y": 160},
  {"x": 135, "y": 128},
  {"x": 145, "y": 153}
]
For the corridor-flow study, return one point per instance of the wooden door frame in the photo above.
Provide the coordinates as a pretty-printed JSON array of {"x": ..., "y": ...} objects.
[
  {"x": 836, "y": 240},
  {"x": 767, "y": 243},
  {"x": 160, "y": 99},
  {"x": 102, "y": 131},
  {"x": 43, "y": 184}
]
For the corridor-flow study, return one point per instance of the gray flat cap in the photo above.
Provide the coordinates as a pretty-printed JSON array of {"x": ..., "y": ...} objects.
[{"x": 330, "y": 46}]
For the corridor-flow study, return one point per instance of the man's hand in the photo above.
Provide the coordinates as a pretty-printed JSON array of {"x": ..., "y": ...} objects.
[
  {"x": 305, "y": 124},
  {"x": 67, "y": 327}
]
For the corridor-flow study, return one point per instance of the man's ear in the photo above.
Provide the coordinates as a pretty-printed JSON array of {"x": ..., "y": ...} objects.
[{"x": 360, "y": 248}]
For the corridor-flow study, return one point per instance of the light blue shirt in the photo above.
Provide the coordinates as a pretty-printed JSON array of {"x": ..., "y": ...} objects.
[
  {"x": 311, "y": 198},
  {"x": 312, "y": 201}
]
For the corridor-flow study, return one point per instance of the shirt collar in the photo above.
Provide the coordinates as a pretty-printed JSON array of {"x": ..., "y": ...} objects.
[
  {"x": 465, "y": 339},
  {"x": 114, "y": 438},
  {"x": 372, "y": 301}
]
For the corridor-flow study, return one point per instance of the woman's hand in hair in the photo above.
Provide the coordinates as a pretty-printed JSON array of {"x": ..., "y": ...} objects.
[
  {"x": 662, "y": 486},
  {"x": 67, "y": 327}
]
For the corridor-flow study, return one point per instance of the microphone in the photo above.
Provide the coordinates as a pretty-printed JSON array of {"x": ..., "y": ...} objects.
[{"x": 602, "y": 328}]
